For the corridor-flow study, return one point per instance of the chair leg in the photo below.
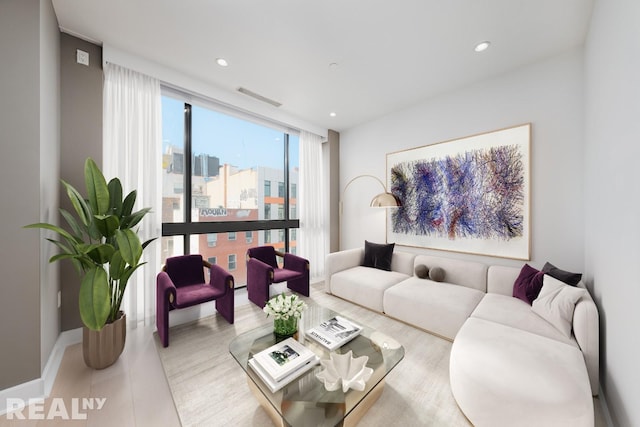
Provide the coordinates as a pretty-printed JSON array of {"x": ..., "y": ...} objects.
[
  {"x": 225, "y": 306},
  {"x": 162, "y": 321},
  {"x": 258, "y": 293},
  {"x": 300, "y": 285}
]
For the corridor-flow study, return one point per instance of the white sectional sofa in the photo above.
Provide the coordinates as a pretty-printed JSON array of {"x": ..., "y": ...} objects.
[{"x": 509, "y": 366}]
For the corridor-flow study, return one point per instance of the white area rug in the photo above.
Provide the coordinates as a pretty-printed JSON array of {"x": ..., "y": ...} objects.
[{"x": 209, "y": 388}]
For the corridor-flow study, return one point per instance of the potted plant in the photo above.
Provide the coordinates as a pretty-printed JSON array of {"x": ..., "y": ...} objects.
[{"x": 103, "y": 245}]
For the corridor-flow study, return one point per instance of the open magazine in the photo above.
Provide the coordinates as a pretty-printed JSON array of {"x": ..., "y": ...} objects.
[{"x": 335, "y": 332}]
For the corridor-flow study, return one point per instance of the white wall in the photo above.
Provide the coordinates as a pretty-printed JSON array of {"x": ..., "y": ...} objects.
[
  {"x": 547, "y": 94},
  {"x": 612, "y": 200}
]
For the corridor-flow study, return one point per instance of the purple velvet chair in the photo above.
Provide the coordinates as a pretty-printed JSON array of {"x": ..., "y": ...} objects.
[
  {"x": 263, "y": 270},
  {"x": 181, "y": 284}
]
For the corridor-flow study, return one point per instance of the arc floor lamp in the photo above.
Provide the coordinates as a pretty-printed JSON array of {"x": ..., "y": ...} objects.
[{"x": 382, "y": 200}]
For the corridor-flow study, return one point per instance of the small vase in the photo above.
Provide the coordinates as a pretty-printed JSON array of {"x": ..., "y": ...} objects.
[{"x": 284, "y": 328}]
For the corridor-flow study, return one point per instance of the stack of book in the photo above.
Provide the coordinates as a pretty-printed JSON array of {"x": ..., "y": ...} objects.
[
  {"x": 335, "y": 332},
  {"x": 282, "y": 363}
]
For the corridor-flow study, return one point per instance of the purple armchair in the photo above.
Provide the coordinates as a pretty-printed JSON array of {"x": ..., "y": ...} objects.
[
  {"x": 263, "y": 270},
  {"x": 181, "y": 284}
]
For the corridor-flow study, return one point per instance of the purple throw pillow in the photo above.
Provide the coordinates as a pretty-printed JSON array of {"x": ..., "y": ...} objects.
[{"x": 528, "y": 284}]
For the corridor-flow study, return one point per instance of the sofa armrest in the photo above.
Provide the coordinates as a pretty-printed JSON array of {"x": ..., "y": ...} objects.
[
  {"x": 339, "y": 261},
  {"x": 586, "y": 329},
  {"x": 402, "y": 262}
]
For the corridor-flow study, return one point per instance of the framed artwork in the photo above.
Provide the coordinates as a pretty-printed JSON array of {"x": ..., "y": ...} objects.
[{"x": 467, "y": 195}]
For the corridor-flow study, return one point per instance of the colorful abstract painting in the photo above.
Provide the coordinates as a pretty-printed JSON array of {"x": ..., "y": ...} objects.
[{"x": 467, "y": 195}]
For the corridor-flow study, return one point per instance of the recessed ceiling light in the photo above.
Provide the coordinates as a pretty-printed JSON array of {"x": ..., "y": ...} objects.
[
  {"x": 333, "y": 66},
  {"x": 332, "y": 114},
  {"x": 482, "y": 46},
  {"x": 222, "y": 62}
]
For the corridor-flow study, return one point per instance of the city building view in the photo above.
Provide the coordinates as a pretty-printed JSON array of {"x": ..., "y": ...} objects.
[{"x": 222, "y": 192}]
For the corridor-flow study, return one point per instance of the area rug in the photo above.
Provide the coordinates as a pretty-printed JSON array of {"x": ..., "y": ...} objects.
[{"x": 209, "y": 387}]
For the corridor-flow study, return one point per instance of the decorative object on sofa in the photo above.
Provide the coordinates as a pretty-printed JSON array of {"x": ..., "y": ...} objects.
[
  {"x": 528, "y": 284},
  {"x": 421, "y": 271},
  {"x": 437, "y": 274},
  {"x": 286, "y": 311},
  {"x": 564, "y": 276},
  {"x": 105, "y": 249},
  {"x": 381, "y": 200},
  {"x": 263, "y": 270},
  {"x": 467, "y": 195},
  {"x": 344, "y": 371},
  {"x": 181, "y": 284},
  {"x": 378, "y": 255},
  {"x": 556, "y": 303}
]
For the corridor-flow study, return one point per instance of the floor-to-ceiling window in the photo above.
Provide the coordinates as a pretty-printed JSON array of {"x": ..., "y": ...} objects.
[{"x": 229, "y": 183}]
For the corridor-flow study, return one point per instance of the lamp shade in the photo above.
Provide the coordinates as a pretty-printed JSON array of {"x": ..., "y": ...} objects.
[{"x": 385, "y": 200}]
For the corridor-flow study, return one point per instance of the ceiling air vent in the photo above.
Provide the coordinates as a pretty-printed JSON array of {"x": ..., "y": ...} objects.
[{"x": 259, "y": 97}]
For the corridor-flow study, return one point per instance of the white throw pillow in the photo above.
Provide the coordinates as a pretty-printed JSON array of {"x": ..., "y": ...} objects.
[{"x": 556, "y": 303}]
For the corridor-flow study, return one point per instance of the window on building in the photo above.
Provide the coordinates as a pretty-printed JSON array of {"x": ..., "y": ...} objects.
[
  {"x": 214, "y": 166},
  {"x": 213, "y": 260},
  {"x": 232, "y": 262},
  {"x": 267, "y": 188}
]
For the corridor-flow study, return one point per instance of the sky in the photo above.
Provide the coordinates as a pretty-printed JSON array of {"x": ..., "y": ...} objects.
[{"x": 234, "y": 141}]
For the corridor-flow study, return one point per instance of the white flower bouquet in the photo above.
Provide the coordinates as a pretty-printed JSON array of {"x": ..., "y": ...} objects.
[{"x": 285, "y": 307}]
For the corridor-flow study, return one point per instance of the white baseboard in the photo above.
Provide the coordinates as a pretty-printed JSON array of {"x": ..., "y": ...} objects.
[{"x": 40, "y": 388}]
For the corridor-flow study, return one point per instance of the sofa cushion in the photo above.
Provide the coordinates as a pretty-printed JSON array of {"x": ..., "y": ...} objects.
[
  {"x": 463, "y": 273},
  {"x": 556, "y": 303},
  {"x": 564, "y": 276},
  {"x": 528, "y": 284},
  {"x": 440, "y": 308},
  {"x": 364, "y": 285},
  {"x": 516, "y": 313},
  {"x": 378, "y": 255},
  {"x": 503, "y": 376}
]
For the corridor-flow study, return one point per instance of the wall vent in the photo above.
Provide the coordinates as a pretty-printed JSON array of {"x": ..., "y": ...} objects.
[{"x": 259, "y": 97}]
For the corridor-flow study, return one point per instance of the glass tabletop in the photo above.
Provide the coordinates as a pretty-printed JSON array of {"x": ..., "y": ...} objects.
[{"x": 305, "y": 401}]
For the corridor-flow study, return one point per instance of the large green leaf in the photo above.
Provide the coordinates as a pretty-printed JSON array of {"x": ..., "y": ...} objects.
[
  {"x": 53, "y": 228},
  {"x": 116, "y": 266},
  {"x": 94, "y": 298},
  {"x": 133, "y": 219},
  {"x": 129, "y": 201},
  {"x": 101, "y": 253},
  {"x": 97, "y": 189},
  {"x": 129, "y": 246},
  {"x": 107, "y": 224},
  {"x": 79, "y": 204},
  {"x": 115, "y": 197},
  {"x": 75, "y": 227}
]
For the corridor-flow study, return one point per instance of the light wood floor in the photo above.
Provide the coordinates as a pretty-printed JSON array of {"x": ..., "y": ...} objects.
[{"x": 135, "y": 387}]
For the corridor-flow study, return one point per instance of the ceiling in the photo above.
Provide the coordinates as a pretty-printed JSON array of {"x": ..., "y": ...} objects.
[{"x": 389, "y": 54}]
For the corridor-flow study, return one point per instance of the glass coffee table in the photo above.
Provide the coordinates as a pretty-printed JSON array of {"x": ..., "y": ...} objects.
[{"x": 305, "y": 401}]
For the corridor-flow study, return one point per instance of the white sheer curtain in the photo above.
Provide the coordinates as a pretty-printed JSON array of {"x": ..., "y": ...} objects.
[
  {"x": 132, "y": 133},
  {"x": 313, "y": 233}
]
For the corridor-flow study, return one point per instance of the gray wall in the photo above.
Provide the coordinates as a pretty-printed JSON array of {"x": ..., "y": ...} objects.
[
  {"x": 548, "y": 94},
  {"x": 612, "y": 208},
  {"x": 28, "y": 81},
  {"x": 49, "y": 173},
  {"x": 81, "y": 132}
]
